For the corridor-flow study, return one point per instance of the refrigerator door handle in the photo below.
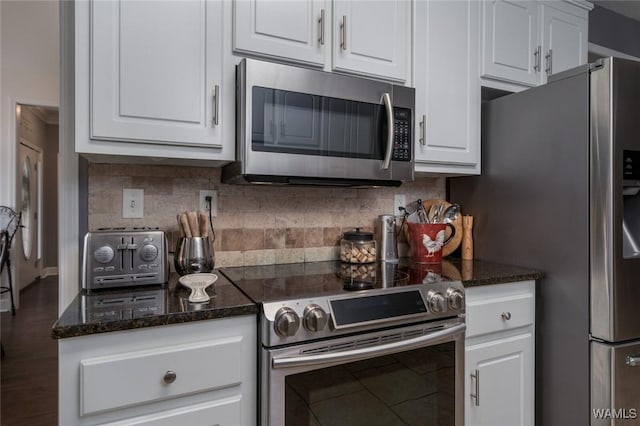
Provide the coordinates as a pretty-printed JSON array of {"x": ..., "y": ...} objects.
[{"x": 633, "y": 360}]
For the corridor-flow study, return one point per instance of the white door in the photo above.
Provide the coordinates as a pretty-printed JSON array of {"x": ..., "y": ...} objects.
[
  {"x": 30, "y": 205},
  {"x": 499, "y": 382},
  {"x": 156, "y": 71},
  {"x": 447, "y": 123},
  {"x": 510, "y": 40},
  {"x": 564, "y": 39},
  {"x": 372, "y": 38},
  {"x": 284, "y": 30}
]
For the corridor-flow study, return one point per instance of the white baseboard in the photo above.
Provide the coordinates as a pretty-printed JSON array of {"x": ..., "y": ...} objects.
[{"x": 49, "y": 271}]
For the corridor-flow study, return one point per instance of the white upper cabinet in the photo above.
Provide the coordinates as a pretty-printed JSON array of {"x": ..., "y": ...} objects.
[
  {"x": 372, "y": 38},
  {"x": 523, "y": 42},
  {"x": 282, "y": 29},
  {"x": 151, "y": 74},
  {"x": 510, "y": 40},
  {"x": 565, "y": 38},
  {"x": 447, "y": 121},
  {"x": 356, "y": 37}
]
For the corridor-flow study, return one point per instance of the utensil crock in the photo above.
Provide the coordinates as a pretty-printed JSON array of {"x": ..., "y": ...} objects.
[{"x": 193, "y": 255}]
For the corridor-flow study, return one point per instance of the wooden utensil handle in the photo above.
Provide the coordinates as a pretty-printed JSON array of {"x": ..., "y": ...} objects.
[
  {"x": 193, "y": 223},
  {"x": 185, "y": 225},
  {"x": 467, "y": 237},
  {"x": 203, "y": 224}
]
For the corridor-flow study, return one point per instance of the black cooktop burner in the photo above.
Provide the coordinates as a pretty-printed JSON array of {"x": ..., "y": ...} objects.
[{"x": 272, "y": 283}]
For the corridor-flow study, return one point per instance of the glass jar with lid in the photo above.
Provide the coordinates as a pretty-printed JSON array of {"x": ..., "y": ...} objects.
[{"x": 357, "y": 247}]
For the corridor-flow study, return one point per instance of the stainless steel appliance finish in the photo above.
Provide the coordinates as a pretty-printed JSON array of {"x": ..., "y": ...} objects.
[
  {"x": 317, "y": 334},
  {"x": 387, "y": 237},
  {"x": 307, "y": 127},
  {"x": 561, "y": 163},
  {"x": 124, "y": 258}
]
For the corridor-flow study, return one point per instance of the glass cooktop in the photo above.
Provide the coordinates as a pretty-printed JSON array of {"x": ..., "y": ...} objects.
[{"x": 272, "y": 283}]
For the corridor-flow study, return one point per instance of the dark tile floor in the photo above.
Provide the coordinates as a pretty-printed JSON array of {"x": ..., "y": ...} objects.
[{"x": 29, "y": 369}]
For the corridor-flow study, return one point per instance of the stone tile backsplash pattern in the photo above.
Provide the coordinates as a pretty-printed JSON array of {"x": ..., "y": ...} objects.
[{"x": 255, "y": 225}]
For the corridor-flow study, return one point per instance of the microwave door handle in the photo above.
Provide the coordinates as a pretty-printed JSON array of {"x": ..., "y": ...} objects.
[
  {"x": 386, "y": 98},
  {"x": 374, "y": 351}
]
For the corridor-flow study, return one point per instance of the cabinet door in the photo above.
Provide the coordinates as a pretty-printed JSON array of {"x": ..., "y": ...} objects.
[
  {"x": 447, "y": 87},
  {"x": 372, "y": 38},
  {"x": 499, "y": 382},
  {"x": 510, "y": 40},
  {"x": 286, "y": 30},
  {"x": 564, "y": 39},
  {"x": 155, "y": 71}
]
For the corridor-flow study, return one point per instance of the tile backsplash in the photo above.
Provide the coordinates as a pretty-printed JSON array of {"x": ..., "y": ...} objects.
[{"x": 255, "y": 224}]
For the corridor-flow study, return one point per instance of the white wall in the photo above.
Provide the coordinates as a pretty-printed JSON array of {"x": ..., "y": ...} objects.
[
  {"x": 29, "y": 74},
  {"x": 30, "y": 63}
]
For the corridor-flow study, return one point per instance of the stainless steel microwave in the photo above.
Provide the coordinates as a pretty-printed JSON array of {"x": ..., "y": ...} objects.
[{"x": 307, "y": 127}]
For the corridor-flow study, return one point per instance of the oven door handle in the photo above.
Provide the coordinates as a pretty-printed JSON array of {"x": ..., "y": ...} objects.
[
  {"x": 357, "y": 354},
  {"x": 386, "y": 98}
]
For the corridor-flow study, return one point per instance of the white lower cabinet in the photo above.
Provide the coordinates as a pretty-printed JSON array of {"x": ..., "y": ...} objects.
[
  {"x": 201, "y": 373},
  {"x": 500, "y": 355}
]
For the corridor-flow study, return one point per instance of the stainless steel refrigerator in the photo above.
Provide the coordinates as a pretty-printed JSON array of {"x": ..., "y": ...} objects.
[{"x": 559, "y": 191}]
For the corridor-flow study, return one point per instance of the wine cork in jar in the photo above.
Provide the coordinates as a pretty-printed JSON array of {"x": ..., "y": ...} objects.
[{"x": 467, "y": 237}]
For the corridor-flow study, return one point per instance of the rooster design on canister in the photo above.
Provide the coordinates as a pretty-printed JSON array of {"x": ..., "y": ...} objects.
[{"x": 433, "y": 246}]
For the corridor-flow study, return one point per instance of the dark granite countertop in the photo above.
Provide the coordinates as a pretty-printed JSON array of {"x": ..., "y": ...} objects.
[
  {"x": 475, "y": 273},
  {"x": 150, "y": 306}
]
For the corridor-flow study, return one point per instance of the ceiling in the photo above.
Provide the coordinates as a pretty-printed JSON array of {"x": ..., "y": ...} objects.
[{"x": 628, "y": 8}]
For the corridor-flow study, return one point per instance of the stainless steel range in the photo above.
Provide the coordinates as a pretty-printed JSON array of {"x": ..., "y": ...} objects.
[{"x": 336, "y": 348}]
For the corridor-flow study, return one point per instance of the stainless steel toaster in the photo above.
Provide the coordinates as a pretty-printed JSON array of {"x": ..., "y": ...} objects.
[{"x": 124, "y": 258}]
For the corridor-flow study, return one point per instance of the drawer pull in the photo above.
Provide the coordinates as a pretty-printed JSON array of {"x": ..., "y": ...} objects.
[
  {"x": 506, "y": 316},
  {"x": 169, "y": 377},
  {"x": 476, "y": 396}
]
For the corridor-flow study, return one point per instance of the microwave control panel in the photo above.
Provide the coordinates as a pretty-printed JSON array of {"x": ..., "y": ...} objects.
[{"x": 402, "y": 134}]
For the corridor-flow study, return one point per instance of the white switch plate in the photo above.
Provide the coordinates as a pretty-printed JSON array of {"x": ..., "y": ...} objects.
[
  {"x": 214, "y": 201},
  {"x": 132, "y": 203},
  {"x": 399, "y": 200}
]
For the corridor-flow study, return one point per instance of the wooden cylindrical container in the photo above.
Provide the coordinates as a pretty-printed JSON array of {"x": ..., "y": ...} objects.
[{"x": 467, "y": 237}]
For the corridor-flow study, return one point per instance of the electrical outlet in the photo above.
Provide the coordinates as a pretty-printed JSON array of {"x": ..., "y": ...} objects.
[
  {"x": 132, "y": 203},
  {"x": 399, "y": 200},
  {"x": 204, "y": 204}
]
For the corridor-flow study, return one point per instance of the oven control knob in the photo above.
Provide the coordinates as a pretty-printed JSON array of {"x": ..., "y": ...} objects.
[
  {"x": 436, "y": 301},
  {"x": 287, "y": 322},
  {"x": 314, "y": 318},
  {"x": 455, "y": 299}
]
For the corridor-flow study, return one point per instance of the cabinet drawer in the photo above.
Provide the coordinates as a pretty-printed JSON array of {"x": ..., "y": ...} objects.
[
  {"x": 133, "y": 378},
  {"x": 224, "y": 412},
  {"x": 499, "y": 313}
]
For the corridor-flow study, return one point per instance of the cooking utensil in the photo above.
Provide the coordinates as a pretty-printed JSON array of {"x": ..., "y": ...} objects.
[
  {"x": 457, "y": 224},
  {"x": 451, "y": 213}
]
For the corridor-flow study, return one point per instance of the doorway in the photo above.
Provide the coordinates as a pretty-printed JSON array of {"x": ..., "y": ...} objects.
[{"x": 35, "y": 246}]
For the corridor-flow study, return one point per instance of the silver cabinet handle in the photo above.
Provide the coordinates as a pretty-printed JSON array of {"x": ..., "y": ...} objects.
[
  {"x": 476, "y": 396},
  {"x": 343, "y": 33},
  {"x": 549, "y": 58},
  {"x": 169, "y": 377},
  {"x": 536, "y": 56},
  {"x": 506, "y": 316},
  {"x": 216, "y": 101},
  {"x": 370, "y": 352},
  {"x": 633, "y": 360},
  {"x": 321, "y": 24},
  {"x": 387, "y": 155},
  {"x": 423, "y": 130}
]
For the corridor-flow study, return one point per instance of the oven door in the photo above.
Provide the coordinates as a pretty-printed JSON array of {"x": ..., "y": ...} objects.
[
  {"x": 304, "y": 124},
  {"x": 404, "y": 376}
]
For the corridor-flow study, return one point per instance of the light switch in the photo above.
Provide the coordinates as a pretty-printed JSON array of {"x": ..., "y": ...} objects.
[{"x": 132, "y": 203}]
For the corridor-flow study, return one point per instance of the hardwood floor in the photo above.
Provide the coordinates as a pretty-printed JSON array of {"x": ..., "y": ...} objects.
[{"x": 29, "y": 369}]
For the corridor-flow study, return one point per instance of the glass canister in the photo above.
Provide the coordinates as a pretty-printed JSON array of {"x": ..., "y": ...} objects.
[{"x": 358, "y": 247}]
